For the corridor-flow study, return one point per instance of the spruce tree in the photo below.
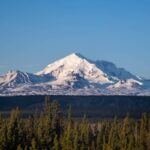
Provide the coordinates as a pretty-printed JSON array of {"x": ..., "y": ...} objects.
[
  {"x": 144, "y": 129},
  {"x": 13, "y": 129},
  {"x": 113, "y": 136},
  {"x": 56, "y": 143},
  {"x": 19, "y": 147},
  {"x": 33, "y": 145}
]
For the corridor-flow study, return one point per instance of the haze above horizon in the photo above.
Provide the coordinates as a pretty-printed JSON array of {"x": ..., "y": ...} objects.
[{"x": 33, "y": 34}]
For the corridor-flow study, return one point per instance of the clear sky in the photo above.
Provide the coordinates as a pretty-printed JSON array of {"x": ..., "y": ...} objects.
[{"x": 34, "y": 33}]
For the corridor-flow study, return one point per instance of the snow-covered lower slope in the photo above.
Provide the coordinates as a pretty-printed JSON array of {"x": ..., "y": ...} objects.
[
  {"x": 128, "y": 84},
  {"x": 75, "y": 75}
]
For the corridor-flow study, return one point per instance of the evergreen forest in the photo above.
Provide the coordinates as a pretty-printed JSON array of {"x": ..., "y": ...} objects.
[{"x": 49, "y": 129}]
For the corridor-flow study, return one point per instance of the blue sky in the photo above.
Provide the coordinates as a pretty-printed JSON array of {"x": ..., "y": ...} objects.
[{"x": 34, "y": 33}]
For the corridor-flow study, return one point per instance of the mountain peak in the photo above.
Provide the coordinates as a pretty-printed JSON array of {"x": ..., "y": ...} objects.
[
  {"x": 75, "y": 63},
  {"x": 13, "y": 71},
  {"x": 75, "y": 56},
  {"x": 74, "y": 72}
]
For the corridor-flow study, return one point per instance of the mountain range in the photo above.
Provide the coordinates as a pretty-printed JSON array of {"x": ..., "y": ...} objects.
[{"x": 75, "y": 75}]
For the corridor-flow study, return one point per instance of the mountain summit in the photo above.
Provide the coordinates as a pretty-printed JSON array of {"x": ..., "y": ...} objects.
[
  {"x": 74, "y": 74},
  {"x": 75, "y": 66}
]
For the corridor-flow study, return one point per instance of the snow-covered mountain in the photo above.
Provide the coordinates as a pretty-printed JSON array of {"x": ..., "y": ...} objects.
[
  {"x": 75, "y": 68},
  {"x": 15, "y": 78},
  {"x": 74, "y": 74},
  {"x": 113, "y": 71},
  {"x": 126, "y": 84}
]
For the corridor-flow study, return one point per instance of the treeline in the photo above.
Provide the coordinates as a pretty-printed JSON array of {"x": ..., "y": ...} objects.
[{"x": 50, "y": 130}]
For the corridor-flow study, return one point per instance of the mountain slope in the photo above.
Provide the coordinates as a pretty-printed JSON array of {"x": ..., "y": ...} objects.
[
  {"x": 113, "y": 71},
  {"x": 75, "y": 67},
  {"x": 128, "y": 84},
  {"x": 14, "y": 78},
  {"x": 75, "y": 75}
]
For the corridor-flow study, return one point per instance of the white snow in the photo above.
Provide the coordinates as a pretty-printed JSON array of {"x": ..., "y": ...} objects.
[
  {"x": 75, "y": 75},
  {"x": 66, "y": 68},
  {"x": 128, "y": 84}
]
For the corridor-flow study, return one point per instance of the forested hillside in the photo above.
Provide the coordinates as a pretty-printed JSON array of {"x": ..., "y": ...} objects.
[
  {"x": 50, "y": 130},
  {"x": 95, "y": 107}
]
